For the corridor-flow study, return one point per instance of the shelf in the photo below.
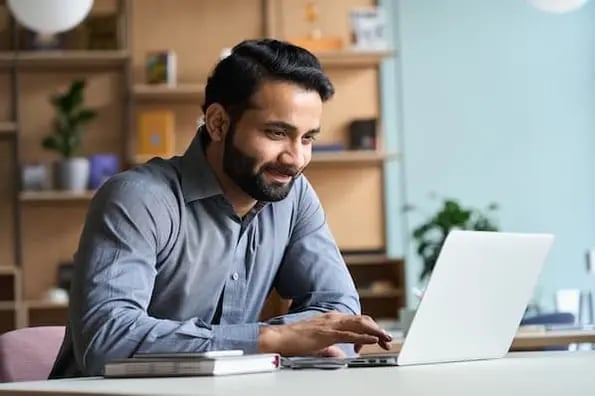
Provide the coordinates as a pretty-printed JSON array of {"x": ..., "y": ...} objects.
[
  {"x": 55, "y": 195},
  {"x": 323, "y": 157},
  {"x": 7, "y": 270},
  {"x": 368, "y": 259},
  {"x": 73, "y": 58},
  {"x": 167, "y": 92},
  {"x": 7, "y": 128},
  {"x": 8, "y": 305},
  {"x": 391, "y": 293},
  {"x": 352, "y": 58},
  {"x": 41, "y": 304},
  {"x": 142, "y": 158},
  {"x": 351, "y": 156}
]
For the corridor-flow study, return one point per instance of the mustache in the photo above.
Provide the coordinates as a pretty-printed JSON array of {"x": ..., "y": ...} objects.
[{"x": 284, "y": 170}]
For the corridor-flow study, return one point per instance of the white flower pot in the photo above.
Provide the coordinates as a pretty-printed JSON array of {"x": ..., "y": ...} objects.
[{"x": 72, "y": 174}]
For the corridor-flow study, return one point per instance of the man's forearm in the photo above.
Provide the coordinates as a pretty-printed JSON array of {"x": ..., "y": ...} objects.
[{"x": 130, "y": 332}]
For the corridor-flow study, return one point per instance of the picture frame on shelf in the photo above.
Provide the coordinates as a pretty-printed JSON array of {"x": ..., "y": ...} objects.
[{"x": 368, "y": 29}]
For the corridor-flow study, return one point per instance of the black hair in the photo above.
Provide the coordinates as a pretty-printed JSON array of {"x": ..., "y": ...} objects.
[{"x": 239, "y": 75}]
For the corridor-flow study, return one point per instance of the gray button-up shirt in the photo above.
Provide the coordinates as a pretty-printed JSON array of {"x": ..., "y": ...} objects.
[{"x": 165, "y": 265}]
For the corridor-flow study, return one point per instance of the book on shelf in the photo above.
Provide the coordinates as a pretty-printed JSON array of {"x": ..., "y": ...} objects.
[
  {"x": 161, "y": 67},
  {"x": 156, "y": 136},
  {"x": 191, "y": 364}
]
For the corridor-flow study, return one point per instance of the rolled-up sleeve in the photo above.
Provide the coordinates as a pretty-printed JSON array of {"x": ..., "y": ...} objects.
[
  {"x": 128, "y": 223},
  {"x": 313, "y": 273}
]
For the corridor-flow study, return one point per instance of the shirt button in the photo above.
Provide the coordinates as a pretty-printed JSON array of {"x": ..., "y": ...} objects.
[{"x": 235, "y": 276}]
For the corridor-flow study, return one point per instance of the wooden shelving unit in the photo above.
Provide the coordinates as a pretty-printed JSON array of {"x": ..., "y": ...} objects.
[
  {"x": 9, "y": 298},
  {"x": 7, "y": 128},
  {"x": 44, "y": 313},
  {"x": 352, "y": 157},
  {"x": 380, "y": 281},
  {"x": 55, "y": 195},
  {"x": 120, "y": 93},
  {"x": 353, "y": 58},
  {"x": 390, "y": 293},
  {"x": 65, "y": 59},
  {"x": 42, "y": 304},
  {"x": 194, "y": 92},
  {"x": 348, "y": 157}
]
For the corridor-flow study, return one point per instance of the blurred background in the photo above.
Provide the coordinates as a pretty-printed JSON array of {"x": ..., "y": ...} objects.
[{"x": 472, "y": 114}]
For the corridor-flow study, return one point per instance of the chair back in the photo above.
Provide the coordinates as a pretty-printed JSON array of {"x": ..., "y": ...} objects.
[{"x": 28, "y": 354}]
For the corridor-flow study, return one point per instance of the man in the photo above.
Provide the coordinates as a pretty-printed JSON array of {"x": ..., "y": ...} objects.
[{"x": 180, "y": 254}]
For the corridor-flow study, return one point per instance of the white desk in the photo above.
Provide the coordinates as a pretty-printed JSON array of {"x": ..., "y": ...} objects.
[{"x": 526, "y": 373}]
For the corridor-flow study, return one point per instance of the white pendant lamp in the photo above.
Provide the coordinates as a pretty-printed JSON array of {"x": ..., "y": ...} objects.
[
  {"x": 557, "y": 6},
  {"x": 50, "y": 16}
]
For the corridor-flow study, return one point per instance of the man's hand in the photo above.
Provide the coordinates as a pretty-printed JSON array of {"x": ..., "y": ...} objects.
[{"x": 316, "y": 336}]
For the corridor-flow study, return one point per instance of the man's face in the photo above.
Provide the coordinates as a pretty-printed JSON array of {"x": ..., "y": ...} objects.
[{"x": 271, "y": 144}]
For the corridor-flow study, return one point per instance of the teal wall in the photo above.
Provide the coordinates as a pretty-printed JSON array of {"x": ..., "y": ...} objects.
[{"x": 495, "y": 101}]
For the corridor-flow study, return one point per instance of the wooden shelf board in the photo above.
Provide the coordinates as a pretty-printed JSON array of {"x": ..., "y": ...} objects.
[
  {"x": 7, "y": 127},
  {"x": 8, "y": 270},
  {"x": 391, "y": 293},
  {"x": 142, "y": 158},
  {"x": 99, "y": 58},
  {"x": 167, "y": 92},
  {"x": 369, "y": 259},
  {"x": 351, "y": 156},
  {"x": 8, "y": 305},
  {"x": 352, "y": 58},
  {"x": 55, "y": 195},
  {"x": 41, "y": 304},
  {"x": 323, "y": 157}
]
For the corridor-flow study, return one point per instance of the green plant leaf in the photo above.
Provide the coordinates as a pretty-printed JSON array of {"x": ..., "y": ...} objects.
[
  {"x": 69, "y": 120},
  {"x": 451, "y": 215},
  {"x": 85, "y": 116}
]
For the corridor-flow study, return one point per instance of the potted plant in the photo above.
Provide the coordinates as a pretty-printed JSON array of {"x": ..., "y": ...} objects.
[
  {"x": 431, "y": 234},
  {"x": 72, "y": 171}
]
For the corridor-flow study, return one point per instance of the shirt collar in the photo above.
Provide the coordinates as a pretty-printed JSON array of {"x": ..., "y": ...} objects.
[{"x": 198, "y": 179}]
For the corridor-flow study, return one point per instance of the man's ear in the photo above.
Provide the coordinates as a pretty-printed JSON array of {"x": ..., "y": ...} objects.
[{"x": 217, "y": 122}]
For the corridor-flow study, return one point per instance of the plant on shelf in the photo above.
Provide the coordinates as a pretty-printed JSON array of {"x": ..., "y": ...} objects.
[
  {"x": 431, "y": 234},
  {"x": 72, "y": 172}
]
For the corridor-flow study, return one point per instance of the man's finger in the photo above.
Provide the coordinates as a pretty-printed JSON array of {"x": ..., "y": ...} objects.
[
  {"x": 351, "y": 337},
  {"x": 364, "y": 325},
  {"x": 333, "y": 351}
]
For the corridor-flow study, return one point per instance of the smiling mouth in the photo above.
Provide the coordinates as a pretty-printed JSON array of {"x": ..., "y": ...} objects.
[{"x": 279, "y": 176}]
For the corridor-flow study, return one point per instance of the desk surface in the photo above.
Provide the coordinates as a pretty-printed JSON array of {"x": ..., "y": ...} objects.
[
  {"x": 524, "y": 340},
  {"x": 522, "y": 373}
]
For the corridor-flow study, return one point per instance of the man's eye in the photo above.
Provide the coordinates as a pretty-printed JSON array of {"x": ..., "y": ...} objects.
[
  {"x": 309, "y": 139},
  {"x": 276, "y": 133}
]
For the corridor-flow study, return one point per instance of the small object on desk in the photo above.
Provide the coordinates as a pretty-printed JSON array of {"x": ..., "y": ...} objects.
[
  {"x": 313, "y": 362},
  {"x": 189, "y": 355},
  {"x": 174, "y": 366}
]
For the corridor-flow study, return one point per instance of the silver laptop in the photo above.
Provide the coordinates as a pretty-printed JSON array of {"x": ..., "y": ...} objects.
[{"x": 474, "y": 300}]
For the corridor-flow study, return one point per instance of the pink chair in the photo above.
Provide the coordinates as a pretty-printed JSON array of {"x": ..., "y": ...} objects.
[{"x": 28, "y": 354}]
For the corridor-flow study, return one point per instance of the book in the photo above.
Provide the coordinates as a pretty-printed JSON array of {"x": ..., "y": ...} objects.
[
  {"x": 161, "y": 67},
  {"x": 156, "y": 136},
  {"x": 187, "y": 365}
]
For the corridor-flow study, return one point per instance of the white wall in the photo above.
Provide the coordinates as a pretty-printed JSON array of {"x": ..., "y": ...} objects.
[{"x": 495, "y": 101}]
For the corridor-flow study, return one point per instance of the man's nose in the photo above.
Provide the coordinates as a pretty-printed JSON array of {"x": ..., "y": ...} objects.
[{"x": 294, "y": 156}]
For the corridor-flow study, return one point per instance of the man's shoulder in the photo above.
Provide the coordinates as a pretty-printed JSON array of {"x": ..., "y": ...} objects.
[{"x": 155, "y": 180}]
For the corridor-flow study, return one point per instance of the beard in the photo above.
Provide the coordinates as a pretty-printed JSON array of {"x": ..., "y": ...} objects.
[{"x": 241, "y": 168}]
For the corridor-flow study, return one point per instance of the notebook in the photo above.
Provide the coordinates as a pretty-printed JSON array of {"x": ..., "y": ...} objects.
[{"x": 171, "y": 365}]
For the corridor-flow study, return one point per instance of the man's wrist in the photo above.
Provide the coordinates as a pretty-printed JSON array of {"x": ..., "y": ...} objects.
[{"x": 268, "y": 339}]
